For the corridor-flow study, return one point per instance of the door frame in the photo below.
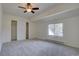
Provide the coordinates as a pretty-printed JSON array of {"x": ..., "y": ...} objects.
[
  {"x": 27, "y": 30},
  {"x": 11, "y": 29}
]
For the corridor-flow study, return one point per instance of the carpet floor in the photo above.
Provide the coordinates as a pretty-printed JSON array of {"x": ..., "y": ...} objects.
[{"x": 36, "y": 48}]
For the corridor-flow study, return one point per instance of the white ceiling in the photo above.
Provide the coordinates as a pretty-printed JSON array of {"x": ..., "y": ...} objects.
[
  {"x": 12, "y": 8},
  {"x": 46, "y": 10}
]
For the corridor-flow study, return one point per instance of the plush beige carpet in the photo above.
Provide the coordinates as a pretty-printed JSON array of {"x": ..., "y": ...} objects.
[{"x": 36, "y": 48}]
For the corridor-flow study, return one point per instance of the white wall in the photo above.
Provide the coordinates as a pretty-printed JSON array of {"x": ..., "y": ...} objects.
[
  {"x": 6, "y": 27},
  {"x": 0, "y": 24},
  {"x": 21, "y": 27},
  {"x": 32, "y": 30},
  {"x": 42, "y": 29},
  {"x": 71, "y": 31}
]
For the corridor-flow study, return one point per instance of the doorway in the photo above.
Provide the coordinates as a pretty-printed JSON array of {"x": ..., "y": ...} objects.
[
  {"x": 27, "y": 30},
  {"x": 13, "y": 30}
]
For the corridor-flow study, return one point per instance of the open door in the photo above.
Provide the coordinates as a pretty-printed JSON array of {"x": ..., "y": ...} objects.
[
  {"x": 27, "y": 30},
  {"x": 13, "y": 30}
]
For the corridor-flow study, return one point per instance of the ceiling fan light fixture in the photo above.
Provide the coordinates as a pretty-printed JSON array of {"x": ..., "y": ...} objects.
[{"x": 28, "y": 10}]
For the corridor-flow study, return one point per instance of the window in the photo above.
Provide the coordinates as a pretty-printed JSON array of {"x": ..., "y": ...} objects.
[
  {"x": 51, "y": 29},
  {"x": 58, "y": 29},
  {"x": 55, "y": 29}
]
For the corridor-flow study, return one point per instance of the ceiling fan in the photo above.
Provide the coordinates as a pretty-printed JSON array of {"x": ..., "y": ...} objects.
[{"x": 28, "y": 8}]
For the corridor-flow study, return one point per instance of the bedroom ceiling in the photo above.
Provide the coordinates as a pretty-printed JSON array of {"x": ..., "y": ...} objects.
[
  {"x": 46, "y": 10},
  {"x": 12, "y": 8}
]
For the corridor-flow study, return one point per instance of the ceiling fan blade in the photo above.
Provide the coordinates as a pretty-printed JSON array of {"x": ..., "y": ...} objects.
[
  {"x": 25, "y": 11},
  {"x": 33, "y": 12},
  {"x": 21, "y": 7},
  {"x": 28, "y": 4},
  {"x": 35, "y": 8}
]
